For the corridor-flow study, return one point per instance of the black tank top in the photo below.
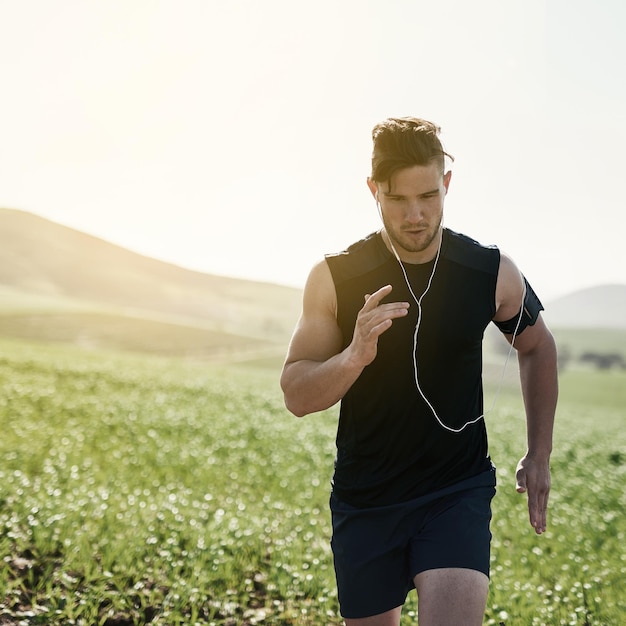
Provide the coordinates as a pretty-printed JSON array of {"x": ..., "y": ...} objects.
[{"x": 390, "y": 447}]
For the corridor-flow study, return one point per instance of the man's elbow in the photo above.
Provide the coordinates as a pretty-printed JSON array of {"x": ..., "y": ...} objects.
[
  {"x": 291, "y": 398},
  {"x": 294, "y": 408},
  {"x": 295, "y": 404}
]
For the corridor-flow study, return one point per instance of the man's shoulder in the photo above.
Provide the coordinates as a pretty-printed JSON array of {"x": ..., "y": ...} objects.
[
  {"x": 360, "y": 257},
  {"x": 465, "y": 242},
  {"x": 368, "y": 242},
  {"x": 465, "y": 250}
]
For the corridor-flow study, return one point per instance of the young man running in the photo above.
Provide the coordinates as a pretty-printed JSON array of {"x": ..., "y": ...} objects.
[{"x": 392, "y": 327}]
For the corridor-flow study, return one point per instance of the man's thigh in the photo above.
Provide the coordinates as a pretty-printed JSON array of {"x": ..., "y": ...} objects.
[
  {"x": 451, "y": 558},
  {"x": 451, "y": 596}
]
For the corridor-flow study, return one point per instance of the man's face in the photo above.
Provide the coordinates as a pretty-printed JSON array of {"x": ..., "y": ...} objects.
[{"x": 411, "y": 205}]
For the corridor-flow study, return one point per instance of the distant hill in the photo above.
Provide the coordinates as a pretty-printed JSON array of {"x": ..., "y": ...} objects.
[
  {"x": 56, "y": 266},
  {"x": 603, "y": 306},
  {"x": 60, "y": 284}
]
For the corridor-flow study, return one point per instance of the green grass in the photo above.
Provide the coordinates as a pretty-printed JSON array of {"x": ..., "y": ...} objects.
[
  {"x": 144, "y": 490},
  {"x": 577, "y": 341},
  {"x": 116, "y": 331},
  {"x": 575, "y": 573}
]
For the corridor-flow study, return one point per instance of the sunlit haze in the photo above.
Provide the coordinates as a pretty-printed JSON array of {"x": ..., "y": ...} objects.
[{"x": 234, "y": 137}]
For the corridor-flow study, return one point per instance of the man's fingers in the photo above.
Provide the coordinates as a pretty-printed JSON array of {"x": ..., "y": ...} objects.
[
  {"x": 538, "y": 508},
  {"x": 382, "y": 312},
  {"x": 376, "y": 322},
  {"x": 374, "y": 299},
  {"x": 539, "y": 517},
  {"x": 373, "y": 320},
  {"x": 538, "y": 492},
  {"x": 533, "y": 509},
  {"x": 536, "y": 513}
]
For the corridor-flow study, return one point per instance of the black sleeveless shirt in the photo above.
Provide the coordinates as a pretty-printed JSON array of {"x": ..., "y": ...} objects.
[{"x": 390, "y": 447}]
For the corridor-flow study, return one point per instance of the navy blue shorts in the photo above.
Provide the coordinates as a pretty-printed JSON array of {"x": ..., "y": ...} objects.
[{"x": 379, "y": 551}]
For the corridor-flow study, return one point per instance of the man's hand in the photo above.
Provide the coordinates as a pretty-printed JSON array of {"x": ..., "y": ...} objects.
[
  {"x": 533, "y": 478},
  {"x": 372, "y": 321}
]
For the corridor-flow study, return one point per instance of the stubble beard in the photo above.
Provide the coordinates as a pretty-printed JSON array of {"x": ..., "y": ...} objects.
[{"x": 407, "y": 243}]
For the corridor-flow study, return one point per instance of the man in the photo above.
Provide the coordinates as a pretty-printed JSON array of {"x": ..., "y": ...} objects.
[{"x": 392, "y": 327}]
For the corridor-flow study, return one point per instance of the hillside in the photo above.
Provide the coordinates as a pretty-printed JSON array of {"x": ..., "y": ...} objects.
[
  {"x": 48, "y": 266},
  {"x": 603, "y": 306}
]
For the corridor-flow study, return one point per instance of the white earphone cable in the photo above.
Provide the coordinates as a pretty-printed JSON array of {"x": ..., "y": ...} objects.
[{"x": 418, "y": 301}]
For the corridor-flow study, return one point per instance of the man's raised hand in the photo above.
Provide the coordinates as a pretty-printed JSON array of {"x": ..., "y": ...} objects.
[{"x": 372, "y": 321}]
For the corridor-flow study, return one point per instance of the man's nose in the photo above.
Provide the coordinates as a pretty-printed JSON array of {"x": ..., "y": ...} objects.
[{"x": 415, "y": 211}]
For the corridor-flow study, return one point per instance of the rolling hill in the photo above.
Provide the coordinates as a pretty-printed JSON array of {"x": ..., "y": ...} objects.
[
  {"x": 59, "y": 282},
  {"x": 603, "y": 306}
]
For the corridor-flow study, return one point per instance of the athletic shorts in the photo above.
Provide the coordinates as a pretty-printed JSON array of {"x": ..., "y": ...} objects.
[{"x": 379, "y": 551}]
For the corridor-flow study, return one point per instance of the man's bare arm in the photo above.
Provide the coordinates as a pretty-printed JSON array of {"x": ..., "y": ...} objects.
[
  {"x": 537, "y": 358},
  {"x": 317, "y": 373}
]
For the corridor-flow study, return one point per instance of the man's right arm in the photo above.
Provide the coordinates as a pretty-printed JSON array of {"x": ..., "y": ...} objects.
[{"x": 317, "y": 373}]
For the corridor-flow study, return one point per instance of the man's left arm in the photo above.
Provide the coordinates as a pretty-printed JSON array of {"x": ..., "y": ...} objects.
[{"x": 537, "y": 358}]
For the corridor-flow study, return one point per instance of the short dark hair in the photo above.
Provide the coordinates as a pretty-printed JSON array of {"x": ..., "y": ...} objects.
[{"x": 401, "y": 142}]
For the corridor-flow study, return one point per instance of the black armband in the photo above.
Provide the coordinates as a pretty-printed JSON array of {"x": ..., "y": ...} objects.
[{"x": 526, "y": 316}]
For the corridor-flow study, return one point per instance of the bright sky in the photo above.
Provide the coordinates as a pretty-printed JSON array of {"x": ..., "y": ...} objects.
[{"x": 233, "y": 136}]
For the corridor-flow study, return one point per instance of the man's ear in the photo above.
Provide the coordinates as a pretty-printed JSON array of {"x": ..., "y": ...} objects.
[
  {"x": 373, "y": 187},
  {"x": 447, "y": 177}
]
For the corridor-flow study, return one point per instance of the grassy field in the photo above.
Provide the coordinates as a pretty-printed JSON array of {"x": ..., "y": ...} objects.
[
  {"x": 580, "y": 340},
  {"x": 142, "y": 490}
]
